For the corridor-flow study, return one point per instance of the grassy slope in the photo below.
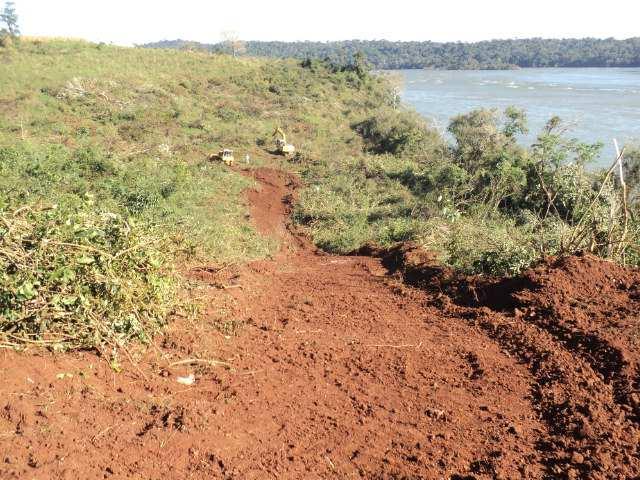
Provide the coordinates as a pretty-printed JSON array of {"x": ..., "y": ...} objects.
[
  {"x": 118, "y": 139},
  {"x": 158, "y": 114},
  {"x": 102, "y": 132}
]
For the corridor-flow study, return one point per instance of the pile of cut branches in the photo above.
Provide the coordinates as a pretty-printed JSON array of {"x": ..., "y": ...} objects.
[{"x": 79, "y": 278}]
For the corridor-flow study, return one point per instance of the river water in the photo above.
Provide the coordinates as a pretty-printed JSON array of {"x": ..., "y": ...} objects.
[{"x": 600, "y": 103}]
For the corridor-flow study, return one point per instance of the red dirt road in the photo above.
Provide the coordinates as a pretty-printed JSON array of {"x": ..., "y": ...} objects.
[{"x": 349, "y": 367}]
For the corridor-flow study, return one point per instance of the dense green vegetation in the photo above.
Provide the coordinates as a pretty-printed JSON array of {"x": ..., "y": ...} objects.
[
  {"x": 485, "y": 204},
  {"x": 493, "y": 54},
  {"x": 106, "y": 184}
]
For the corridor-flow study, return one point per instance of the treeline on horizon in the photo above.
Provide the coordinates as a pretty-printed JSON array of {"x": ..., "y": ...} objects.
[{"x": 486, "y": 55}]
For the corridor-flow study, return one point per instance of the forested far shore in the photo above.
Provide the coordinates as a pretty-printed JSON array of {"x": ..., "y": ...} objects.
[{"x": 486, "y": 55}]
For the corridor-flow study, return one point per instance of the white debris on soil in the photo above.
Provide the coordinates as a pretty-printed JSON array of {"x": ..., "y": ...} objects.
[{"x": 189, "y": 380}]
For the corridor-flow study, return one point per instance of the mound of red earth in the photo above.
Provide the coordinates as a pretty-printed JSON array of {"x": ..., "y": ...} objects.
[
  {"x": 575, "y": 321},
  {"x": 379, "y": 365}
]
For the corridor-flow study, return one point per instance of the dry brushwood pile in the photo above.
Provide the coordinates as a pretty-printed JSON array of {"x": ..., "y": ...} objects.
[
  {"x": 74, "y": 280},
  {"x": 380, "y": 365}
]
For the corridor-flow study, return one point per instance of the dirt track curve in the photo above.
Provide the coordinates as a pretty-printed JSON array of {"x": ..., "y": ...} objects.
[{"x": 381, "y": 366}]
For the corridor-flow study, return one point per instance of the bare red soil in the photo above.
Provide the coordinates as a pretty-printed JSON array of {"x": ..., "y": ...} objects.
[{"x": 378, "y": 366}]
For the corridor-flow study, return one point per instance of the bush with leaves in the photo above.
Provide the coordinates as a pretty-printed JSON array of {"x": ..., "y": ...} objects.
[
  {"x": 398, "y": 133},
  {"x": 560, "y": 185},
  {"x": 488, "y": 246},
  {"x": 486, "y": 149}
]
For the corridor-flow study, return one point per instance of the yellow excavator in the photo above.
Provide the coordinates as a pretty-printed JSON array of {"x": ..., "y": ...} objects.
[
  {"x": 282, "y": 146},
  {"x": 225, "y": 155}
]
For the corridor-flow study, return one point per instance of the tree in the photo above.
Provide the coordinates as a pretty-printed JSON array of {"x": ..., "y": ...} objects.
[
  {"x": 232, "y": 43},
  {"x": 515, "y": 122},
  {"x": 477, "y": 137},
  {"x": 495, "y": 165},
  {"x": 10, "y": 18},
  {"x": 361, "y": 65}
]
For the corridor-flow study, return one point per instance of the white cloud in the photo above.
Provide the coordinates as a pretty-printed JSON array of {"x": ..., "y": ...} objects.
[{"x": 138, "y": 21}]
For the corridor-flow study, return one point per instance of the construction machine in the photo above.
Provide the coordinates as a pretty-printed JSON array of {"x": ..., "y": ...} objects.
[
  {"x": 225, "y": 155},
  {"x": 282, "y": 146}
]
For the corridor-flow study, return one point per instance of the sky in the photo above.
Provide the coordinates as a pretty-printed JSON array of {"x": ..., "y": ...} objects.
[{"x": 128, "y": 22}]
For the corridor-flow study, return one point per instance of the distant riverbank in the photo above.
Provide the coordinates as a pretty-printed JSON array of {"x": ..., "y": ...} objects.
[{"x": 486, "y": 55}]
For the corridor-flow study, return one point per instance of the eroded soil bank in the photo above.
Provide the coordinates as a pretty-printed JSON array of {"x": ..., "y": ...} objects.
[{"x": 376, "y": 366}]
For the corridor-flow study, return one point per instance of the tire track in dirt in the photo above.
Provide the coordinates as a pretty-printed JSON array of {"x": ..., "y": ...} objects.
[
  {"x": 336, "y": 368},
  {"x": 588, "y": 435},
  {"x": 572, "y": 310},
  {"x": 472, "y": 365},
  {"x": 591, "y": 307},
  {"x": 584, "y": 377}
]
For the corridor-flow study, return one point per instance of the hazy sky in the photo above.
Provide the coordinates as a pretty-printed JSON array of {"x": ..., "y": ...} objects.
[{"x": 138, "y": 21}]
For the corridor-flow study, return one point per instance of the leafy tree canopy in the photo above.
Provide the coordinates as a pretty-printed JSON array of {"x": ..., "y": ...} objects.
[
  {"x": 494, "y": 54},
  {"x": 9, "y": 18}
]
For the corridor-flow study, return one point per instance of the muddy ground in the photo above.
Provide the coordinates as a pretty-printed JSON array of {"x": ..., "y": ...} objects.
[{"x": 377, "y": 366}]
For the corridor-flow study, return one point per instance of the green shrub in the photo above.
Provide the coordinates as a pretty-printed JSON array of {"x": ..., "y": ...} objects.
[
  {"x": 496, "y": 247},
  {"x": 397, "y": 133},
  {"x": 496, "y": 166},
  {"x": 505, "y": 260}
]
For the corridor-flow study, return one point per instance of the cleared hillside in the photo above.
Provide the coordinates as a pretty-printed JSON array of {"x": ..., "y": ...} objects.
[
  {"x": 381, "y": 305},
  {"x": 105, "y": 161},
  {"x": 108, "y": 187}
]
